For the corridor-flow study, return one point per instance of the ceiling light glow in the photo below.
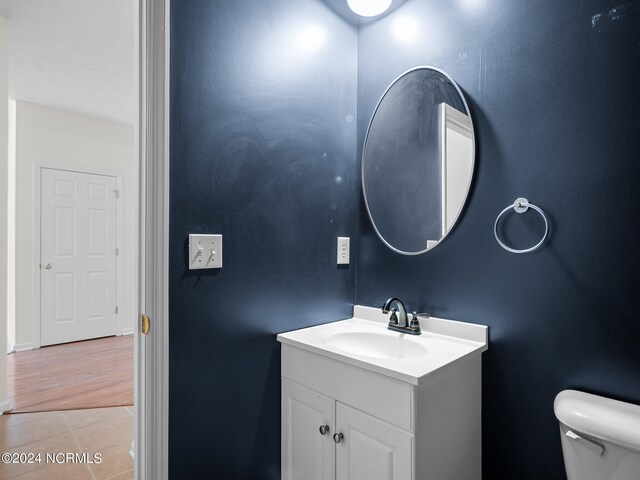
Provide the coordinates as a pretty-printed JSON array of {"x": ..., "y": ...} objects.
[
  {"x": 312, "y": 38},
  {"x": 405, "y": 29},
  {"x": 369, "y": 8}
]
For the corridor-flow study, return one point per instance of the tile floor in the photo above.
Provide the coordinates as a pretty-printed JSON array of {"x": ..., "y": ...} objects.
[{"x": 107, "y": 431}]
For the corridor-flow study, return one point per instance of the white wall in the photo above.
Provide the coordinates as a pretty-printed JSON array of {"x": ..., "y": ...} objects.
[
  {"x": 4, "y": 198},
  {"x": 52, "y": 136}
]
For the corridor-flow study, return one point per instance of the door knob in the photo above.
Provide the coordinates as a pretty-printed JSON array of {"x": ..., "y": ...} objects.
[
  {"x": 337, "y": 437},
  {"x": 48, "y": 266},
  {"x": 324, "y": 429}
]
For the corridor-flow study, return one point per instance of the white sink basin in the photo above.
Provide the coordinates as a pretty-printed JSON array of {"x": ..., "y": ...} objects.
[
  {"x": 378, "y": 345},
  {"x": 365, "y": 341}
]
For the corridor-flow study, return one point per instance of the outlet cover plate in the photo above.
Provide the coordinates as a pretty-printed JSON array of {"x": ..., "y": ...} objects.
[
  {"x": 343, "y": 250},
  {"x": 205, "y": 251}
]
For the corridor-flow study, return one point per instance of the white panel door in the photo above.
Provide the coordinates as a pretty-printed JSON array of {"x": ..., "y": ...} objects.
[
  {"x": 77, "y": 256},
  {"x": 307, "y": 454},
  {"x": 371, "y": 449}
]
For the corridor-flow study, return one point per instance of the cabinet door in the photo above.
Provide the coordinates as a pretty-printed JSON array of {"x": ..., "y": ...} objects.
[
  {"x": 370, "y": 448},
  {"x": 307, "y": 454}
]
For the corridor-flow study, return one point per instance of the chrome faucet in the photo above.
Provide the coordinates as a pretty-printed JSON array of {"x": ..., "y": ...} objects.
[
  {"x": 398, "y": 320},
  {"x": 386, "y": 308}
]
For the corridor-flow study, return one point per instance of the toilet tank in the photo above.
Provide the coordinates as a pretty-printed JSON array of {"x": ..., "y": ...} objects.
[{"x": 600, "y": 436}]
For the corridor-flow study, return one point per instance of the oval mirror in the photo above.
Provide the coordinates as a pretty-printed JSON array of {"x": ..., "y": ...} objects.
[{"x": 417, "y": 161}]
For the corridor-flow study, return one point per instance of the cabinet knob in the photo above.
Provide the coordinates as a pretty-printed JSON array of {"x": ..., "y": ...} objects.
[
  {"x": 324, "y": 429},
  {"x": 337, "y": 437}
]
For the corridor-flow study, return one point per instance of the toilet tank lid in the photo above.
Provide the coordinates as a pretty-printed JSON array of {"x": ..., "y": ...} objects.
[{"x": 604, "y": 418}]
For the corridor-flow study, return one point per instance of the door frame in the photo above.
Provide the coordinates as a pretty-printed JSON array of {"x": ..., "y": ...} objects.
[
  {"x": 37, "y": 247},
  {"x": 151, "y": 370}
]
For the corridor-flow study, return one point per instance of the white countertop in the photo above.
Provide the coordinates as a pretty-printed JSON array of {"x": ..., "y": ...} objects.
[{"x": 446, "y": 342}]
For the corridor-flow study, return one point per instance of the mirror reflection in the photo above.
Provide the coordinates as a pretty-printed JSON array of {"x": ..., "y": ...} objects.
[{"x": 417, "y": 162}]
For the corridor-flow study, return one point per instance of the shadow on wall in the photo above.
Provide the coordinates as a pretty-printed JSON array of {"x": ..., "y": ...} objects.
[{"x": 262, "y": 465}]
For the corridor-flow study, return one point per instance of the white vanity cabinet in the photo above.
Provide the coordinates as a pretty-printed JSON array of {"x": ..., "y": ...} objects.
[
  {"x": 384, "y": 406},
  {"x": 368, "y": 449},
  {"x": 371, "y": 448},
  {"x": 392, "y": 430},
  {"x": 306, "y": 453}
]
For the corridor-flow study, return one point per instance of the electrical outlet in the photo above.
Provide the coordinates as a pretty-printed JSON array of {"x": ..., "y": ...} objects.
[
  {"x": 343, "y": 250},
  {"x": 205, "y": 251}
]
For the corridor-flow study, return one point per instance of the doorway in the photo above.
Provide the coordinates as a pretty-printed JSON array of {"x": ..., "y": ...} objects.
[
  {"x": 76, "y": 232},
  {"x": 151, "y": 22},
  {"x": 81, "y": 302}
]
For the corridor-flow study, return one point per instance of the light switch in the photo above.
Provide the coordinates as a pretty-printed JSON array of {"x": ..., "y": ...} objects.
[
  {"x": 205, "y": 251},
  {"x": 343, "y": 250}
]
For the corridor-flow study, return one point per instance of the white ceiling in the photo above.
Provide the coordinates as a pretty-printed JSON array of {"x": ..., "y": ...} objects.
[{"x": 73, "y": 54}]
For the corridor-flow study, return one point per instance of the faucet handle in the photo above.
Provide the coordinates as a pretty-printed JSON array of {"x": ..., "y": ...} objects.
[
  {"x": 393, "y": 318},
  {"x": 415, "y": 322}
]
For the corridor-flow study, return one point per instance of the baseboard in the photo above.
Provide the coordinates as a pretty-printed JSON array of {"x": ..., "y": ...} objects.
[
  {"x": 19, "y": 347},
  {"x": 127, "y": 331},
  {"x": 5, "y": 406}
]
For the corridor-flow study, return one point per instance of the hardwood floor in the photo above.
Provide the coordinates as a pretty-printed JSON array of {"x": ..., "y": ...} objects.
[{"x": 89, "y": 374}]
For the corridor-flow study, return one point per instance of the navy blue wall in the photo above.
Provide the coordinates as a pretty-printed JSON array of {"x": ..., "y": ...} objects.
[
  {"x": 263, "y": 151},
  {"x": 554, "y": 93}
]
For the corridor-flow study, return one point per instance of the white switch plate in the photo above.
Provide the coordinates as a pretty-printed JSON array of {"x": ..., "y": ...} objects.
[
  {"x": 343, "y": 250},
  {"x": 205, "y": 251}
]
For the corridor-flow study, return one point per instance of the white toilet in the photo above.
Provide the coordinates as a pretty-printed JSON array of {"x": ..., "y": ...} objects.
[{"x": 600, "y": 436}]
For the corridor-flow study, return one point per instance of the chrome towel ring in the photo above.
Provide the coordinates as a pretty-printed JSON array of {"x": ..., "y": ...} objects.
[{"x": 521, "y": 205}]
